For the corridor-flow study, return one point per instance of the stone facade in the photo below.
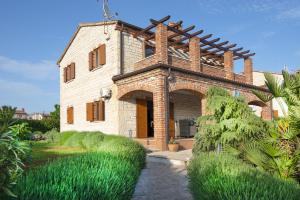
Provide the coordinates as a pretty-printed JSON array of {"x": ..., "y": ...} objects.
[{"x": 168, "y": 75}]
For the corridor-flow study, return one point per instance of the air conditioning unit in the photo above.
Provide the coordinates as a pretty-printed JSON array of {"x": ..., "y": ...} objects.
[{"x": 105, "y": 93}]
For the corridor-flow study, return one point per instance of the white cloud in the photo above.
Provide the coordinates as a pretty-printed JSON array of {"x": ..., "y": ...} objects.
[
  {"x": 42, "y": 70},
  {"x": 26, "y": 95},
  {"x": 292, "y": 13}
]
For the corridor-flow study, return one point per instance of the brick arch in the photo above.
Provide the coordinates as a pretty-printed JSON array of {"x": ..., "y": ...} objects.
[
  {"x": 195, "y": 87},
  {"x": 126, "y": 89},
  {"x": 257, "y": 103}
]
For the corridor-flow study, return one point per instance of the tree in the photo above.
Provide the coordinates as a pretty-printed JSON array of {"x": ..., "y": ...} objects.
[
  {"x": 230, "y": 124},
  {"x": 6, "y": 117},
  {"x": 53, "y": 122}
]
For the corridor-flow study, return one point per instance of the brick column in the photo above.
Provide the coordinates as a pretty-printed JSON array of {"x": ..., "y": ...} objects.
[
  {"x": 248, "y": 69},
  {"x": 203, "y": 106},
  {"x": 161, "y": 44},
  {"x": 266, "y": 112},
  {"x": 194, "y": 48},
  {"x": 159, "y": 115},
  {"x": 228, "y": 65}
]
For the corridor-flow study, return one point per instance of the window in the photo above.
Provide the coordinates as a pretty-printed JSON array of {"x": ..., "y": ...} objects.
[
  {"x": 97, "y": 57},
  {"x": 69, "y": 72},
  {"x": 70, "y": 115},
  {"x": 95, "y": 111},
  {"x": 149, "y": 50}
]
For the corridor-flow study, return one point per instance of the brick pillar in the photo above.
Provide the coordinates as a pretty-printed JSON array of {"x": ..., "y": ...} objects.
[
  {"x": 248, "y": 70},
  {"x": 203, "y": 106},
  {"x": 161, "y": 44},
  {"x": 159, "y": 115},
  {"x": 266, "y": 112},
  {"x": 194, "y": 47},
  {"x": 228, "y": 65}
]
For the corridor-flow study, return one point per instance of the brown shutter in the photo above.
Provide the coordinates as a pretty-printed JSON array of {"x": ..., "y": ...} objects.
[
  {"x": 71, "y": 109},
  {"x": 65, "y": 74},
  {"x": 275, "y": 114},
  {"x": 68, "y": 73},
  {"x": 72, "y": 67},
  {"x": 89, "y": 112},
  {"x": 102, "y": 54},
  {"x": 101, "y": 111},
  {"x": 91, "y": 61},
  {"x": 94, "y": 59}
]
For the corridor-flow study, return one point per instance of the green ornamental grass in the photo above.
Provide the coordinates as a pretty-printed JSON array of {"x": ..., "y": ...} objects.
[
  {"x": 223, "y": 177},
  {"x": 109, "y": 170}
]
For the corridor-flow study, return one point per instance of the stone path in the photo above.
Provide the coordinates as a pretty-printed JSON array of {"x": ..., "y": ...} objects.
[{"x": 163, "y": 179}]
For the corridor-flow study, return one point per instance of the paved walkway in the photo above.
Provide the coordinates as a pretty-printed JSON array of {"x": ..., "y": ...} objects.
[{"x": 163, "y": 178}]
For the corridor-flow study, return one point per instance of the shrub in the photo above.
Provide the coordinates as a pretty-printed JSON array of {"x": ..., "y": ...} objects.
[
  {"x": 35, "y": 125},
  {"x": 111, "y": 172},
  {"x": 231, "y": 122},
  {"x": 222, "y": 176},
  {"x": 12, "y": 154}
]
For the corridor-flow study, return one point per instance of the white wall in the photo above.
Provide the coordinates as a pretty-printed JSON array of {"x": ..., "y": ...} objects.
[{"x": 87, "y": 84}]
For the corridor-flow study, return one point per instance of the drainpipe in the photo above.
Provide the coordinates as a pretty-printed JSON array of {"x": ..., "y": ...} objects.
[
  {"x": 167, "y": 105},
  {"x": 121, "y": 51}
]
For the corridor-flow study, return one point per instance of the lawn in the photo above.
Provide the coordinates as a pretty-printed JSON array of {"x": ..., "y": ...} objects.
[
  {"x": 221, "y": 176},
  {"x": 87, "y": 165}
]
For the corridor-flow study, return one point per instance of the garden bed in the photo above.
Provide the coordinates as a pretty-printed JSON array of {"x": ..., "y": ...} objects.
[
  {"x": 99, "y": 167},
  {"x": 220, "y": 176}
]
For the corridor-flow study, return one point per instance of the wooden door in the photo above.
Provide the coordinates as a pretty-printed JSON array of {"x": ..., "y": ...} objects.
[
  {"x": 171, "y": 121},
  {"x": 141, "y": 118}
]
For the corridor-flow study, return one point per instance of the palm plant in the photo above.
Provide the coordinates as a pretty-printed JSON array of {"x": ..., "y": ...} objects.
[{"x": 279, "y": 151}]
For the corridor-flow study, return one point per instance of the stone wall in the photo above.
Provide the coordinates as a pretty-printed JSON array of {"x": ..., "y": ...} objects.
[{"x": 87, "y": 84}]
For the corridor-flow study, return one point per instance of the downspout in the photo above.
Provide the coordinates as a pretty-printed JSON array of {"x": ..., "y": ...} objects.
[
  {"x": 121, "y": 50},
  {"x": 167, "y": 105}
]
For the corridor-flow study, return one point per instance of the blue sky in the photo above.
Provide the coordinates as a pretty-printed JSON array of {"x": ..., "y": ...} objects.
[{"x": 34, "y": 33}]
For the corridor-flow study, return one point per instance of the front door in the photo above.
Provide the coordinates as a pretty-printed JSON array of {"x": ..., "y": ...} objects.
[{"x": 141, "y": 118}]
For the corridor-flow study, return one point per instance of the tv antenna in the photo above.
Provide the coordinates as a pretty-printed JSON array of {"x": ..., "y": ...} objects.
[{"x": 107, "y": 15}]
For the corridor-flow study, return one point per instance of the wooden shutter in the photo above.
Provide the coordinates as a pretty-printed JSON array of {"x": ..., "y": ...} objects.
[
  {"x": 275, "y": 114},
  {"x": 68, "y": 73},
  {"x": 65, "y": 74},
  {"x": 70, "y": 115},
  {"x": 94, "y": 59},
  {"x": 91, "y": 61},
  {"x": 141, "y": 118},
  {"x": 102, "y": 54},
  {"x": 89, "y": 112},
  {"x": 171, "y": 121},
  {"x": 101, "y": 111},
  {"x": 72, "y": 69}
]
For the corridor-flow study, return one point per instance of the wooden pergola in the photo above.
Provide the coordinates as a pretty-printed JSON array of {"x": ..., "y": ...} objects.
[{"x": 210, "y": 49}]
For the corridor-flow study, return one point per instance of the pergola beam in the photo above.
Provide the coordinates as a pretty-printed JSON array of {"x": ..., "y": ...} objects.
[
  {"x": 186, "y": 38},
  {"x": 211, "y": 41},
  {"x": 152, "y": 26},
  {"x": 218, "y": 45}
]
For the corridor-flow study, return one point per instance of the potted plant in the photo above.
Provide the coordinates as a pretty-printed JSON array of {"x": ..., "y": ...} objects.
[{"x": 173, "y": 145}]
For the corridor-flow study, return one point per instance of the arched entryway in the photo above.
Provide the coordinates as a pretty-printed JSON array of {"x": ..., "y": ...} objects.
[
  {"x": 185, "y": 108},
  {"x": 261, "y": 109},
  {"x": 136, "y": 114}
]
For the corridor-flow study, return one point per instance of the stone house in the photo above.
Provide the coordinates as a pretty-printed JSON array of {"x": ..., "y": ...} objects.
[{"x": 148, "y": 84}]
